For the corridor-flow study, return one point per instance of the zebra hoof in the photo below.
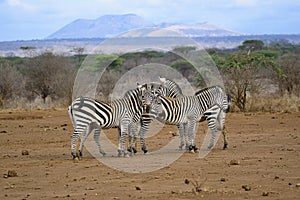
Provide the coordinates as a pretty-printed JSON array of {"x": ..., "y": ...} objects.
[
  {"x": 103, "y": 154},
  {"x": 76, "y": 160},
  {"x": 225, "y": 146},
  {"x": 80, "y": 153},
  {"x": 145, "y": 151},
  {"x": 191, "y": 151},
  {"x": 134, "y": 150},
  {"x": 119, "y": 153},
  {"x": 75, "y": 155},
  {"x": 196, "y": 150}
]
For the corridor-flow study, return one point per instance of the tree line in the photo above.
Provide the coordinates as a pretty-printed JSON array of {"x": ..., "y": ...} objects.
[{"x": 252, "y": 69}]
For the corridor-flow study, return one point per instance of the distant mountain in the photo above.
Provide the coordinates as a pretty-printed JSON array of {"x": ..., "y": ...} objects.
[
  {"x": 200, "y": 30},
  {"x": 104, "y": 27},
  {"x": 108, "y": 26}
]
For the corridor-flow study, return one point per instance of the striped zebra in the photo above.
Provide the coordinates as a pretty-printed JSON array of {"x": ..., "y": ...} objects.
[
  {"x": 213, "y": 115},
  {"x": 216, "y": 116},
  {"x": 188, "y": 110},
  {"x": 89, "y": 114},
  {"x": 167, "y": 88}
]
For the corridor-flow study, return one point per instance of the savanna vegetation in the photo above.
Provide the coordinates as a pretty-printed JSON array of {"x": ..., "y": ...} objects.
[{"x": 259, "y": 77}]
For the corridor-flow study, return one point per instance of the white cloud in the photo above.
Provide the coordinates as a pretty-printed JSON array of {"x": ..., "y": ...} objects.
[
  {"x": 20, "y": 4},
  {"x": 245, "y": 3}
]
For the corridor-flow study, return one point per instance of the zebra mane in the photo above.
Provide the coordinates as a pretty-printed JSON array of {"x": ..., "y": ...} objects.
[
  {"x": 172, "y": 88},
  {"x": 131, "y": 92},
  {"x": 166, "y": 97},
  {"x": 207, "y": 88},
  {"x": 135, "y": 91}
]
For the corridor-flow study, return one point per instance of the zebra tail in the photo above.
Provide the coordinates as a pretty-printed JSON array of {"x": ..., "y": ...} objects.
[
  {"x": 70, "y": 111},
  {"x": 229, "y": 100}
]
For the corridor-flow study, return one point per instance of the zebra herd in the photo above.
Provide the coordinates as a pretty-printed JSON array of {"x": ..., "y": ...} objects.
[{"x": 134, "y": 113}]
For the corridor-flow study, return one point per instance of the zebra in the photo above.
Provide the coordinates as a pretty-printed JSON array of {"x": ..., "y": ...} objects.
[
  {"x": 216, "y": 115},
  {"x": 171, "y": 89},
  {"x": 167, "y": 88},
  {"x": 212, "y": 115},
  {"x": 188, "y": 110},
  {"x": 88, "y": 114}
]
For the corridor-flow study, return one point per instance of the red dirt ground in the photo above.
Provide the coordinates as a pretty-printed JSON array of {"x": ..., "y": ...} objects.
[{"x": 262, "y": 162}]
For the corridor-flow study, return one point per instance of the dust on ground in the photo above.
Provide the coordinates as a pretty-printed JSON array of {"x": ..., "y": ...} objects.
[{"x": 262, "y": 162}]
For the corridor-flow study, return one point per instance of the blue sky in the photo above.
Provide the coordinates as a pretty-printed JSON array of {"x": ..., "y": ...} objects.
[{"x": 36, "y": 19}]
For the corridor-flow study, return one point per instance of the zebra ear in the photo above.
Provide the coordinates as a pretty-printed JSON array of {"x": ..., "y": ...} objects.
[
  {"x": 162, "y": 79},
  {"x": 157, "y": 99},
  {"x": 139, "y": 85}
]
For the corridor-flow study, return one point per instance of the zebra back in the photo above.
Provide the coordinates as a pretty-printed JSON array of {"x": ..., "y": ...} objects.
[
  {"x": 214, "y": 95},
  {"x": 87, "y": 110},
  {"x": 174, "y": 110},
  {"x": 169, "y": 88}
]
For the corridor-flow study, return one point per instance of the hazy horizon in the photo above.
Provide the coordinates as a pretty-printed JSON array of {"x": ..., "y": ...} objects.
[{"x": 31, "y": 19}]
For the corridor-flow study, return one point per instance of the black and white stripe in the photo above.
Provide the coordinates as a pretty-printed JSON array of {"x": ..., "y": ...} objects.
[
  {"x": 166, "y": 88},
  {"x": 89, "y": 114},
  {"x": 188, "y": 110}
]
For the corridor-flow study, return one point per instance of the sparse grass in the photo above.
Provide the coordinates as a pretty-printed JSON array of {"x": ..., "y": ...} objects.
[
  {"x": 197, "y": 187},
  {"x": 24, "y": 104},
  {"x": 255, "y": 103},
  {"x": 285, "y": 103}
]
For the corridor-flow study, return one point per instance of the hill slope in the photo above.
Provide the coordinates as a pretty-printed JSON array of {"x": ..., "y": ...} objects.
[
  {"x": 108, "y": 26},
  {"x": 103, "y": 27}
]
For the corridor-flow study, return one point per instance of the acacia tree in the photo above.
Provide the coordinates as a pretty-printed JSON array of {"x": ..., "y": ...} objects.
[
  {"x": 10, "y": 81},
  {"x": 290, "y": 82},
  {"x": 252, "y": 45},
  {"x": 241, "y": 71},
  {"x": 78, "y": 54},
  {"x": 49, "y": 74}
]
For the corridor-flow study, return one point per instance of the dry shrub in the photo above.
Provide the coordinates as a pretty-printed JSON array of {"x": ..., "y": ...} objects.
[{"x": 286, "y": 103}]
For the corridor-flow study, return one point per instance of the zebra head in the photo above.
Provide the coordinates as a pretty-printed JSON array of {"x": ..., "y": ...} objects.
[
  {"x": 156, "y": 107},
  {"x": 169, "y": 88},
  {"x": 144, "y": 95}
]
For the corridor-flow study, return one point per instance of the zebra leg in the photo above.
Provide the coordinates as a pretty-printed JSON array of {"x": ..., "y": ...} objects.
[
  {"x": 134, "y": 143},
  {"x": 130, "y": 143},
  {"x": 144, "y": 128},
  {"x": 185, "y": 135},
  {"x": 224, "y": 132},
  {"x": 122, "y": 140},
  {"x": 191, "y": 136},
  {"x": 221, "y": 120},
  {"x": 84, "y": 137},
  {"x": 213, "y": 128},
  {"x": 132, "y": 132},
  {"x": 181, "y": 135},
  {"x": 96, "y": 139},
  {"x": 74, "y": 139},
  {"x": 119, "y": 143}
]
